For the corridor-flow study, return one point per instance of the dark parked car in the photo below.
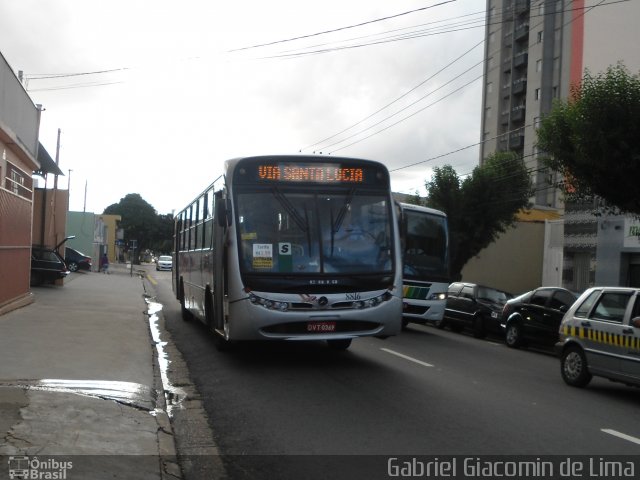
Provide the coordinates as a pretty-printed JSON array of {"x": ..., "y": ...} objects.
[
  {"x": 535, "y": 316},
  {"x": 76, "y": 260},
  {"x": 47, "y": 265},
  {"x": 475, "y": 306}
]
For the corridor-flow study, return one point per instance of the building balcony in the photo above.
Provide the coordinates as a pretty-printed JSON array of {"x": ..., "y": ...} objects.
[
  {"x": 520, "y": 59},
  {"x": 519, "y": 86},
  {"x": 517, "y": 113},
  {"x": 516, "y": 140},
  {"x": 522, "y": 6},
  {"x": 522, "y": 31}
]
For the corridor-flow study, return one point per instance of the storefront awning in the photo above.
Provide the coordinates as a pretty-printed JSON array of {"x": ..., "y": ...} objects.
[{"x": 47, "y": 165}]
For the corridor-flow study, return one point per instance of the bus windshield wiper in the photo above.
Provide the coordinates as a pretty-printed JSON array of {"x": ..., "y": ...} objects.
[
  {"x": 337, "y": 223},
  {"x": 291, "y": 210},
  {"x": 302, "y": 223}
]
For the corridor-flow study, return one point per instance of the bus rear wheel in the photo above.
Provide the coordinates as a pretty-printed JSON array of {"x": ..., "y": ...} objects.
[{"x": 341, "y": 344}]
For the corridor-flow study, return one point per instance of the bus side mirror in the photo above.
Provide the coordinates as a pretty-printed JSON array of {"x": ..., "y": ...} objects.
[
  {"x": 223, "y": 212},
  {"x": 635, "y": 322}
]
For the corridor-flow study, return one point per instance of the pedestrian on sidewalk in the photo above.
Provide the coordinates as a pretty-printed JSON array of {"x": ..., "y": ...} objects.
[{"x": 104, "y": 263}]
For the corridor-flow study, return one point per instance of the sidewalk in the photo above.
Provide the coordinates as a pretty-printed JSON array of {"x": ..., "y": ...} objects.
[{"x": 79, "y": 383}]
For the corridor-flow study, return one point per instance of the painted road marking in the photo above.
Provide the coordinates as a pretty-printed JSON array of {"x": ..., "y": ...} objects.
[
  {"x": 152, "y": 280},
  {"x": 425, "y": 364},
  {"x": 623, "y": 436}
]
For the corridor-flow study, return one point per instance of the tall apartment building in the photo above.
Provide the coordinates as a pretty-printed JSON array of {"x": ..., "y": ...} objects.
[{"x": 535, "y": 50}]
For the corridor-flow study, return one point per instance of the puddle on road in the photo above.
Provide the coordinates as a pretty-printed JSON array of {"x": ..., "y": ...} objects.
[
  {"x": 128, "y": 393},
  {"x": 172, "y": 394}
]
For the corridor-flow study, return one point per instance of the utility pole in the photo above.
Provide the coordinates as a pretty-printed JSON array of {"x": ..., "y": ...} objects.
[
  {"x": 55, "y": 192},
  {"x": 69, "y": 185},
  {"x": 84, "y": 207},
  {"x": 55, "y": 177}
]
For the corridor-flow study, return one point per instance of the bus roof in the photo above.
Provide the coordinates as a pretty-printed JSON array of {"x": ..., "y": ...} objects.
[{"x": 419, "y": 208}]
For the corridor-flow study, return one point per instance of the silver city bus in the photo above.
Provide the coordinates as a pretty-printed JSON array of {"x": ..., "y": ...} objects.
[{"x": 292, "y": 248}]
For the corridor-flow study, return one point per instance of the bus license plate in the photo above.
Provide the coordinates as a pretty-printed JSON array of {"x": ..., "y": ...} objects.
[{"x": 321, "y": 327}]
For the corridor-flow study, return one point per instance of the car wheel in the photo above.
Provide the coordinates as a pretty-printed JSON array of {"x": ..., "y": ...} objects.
[
  {"x": 456, "y": 327},
  {"x": 478, "y": 327},
  {"x": 573, "y": 367},
  {"x": 440, "y": 324},
  {"x": 513, "y": 335},
  {"x": 341, "y": 344},
  {"x": 72, "y": 266}
]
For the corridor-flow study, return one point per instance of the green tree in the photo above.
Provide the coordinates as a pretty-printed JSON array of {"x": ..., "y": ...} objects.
[
  {"x": 162, "y": 243},
  {"x": 594, "y": 138},
  {"x": 139, "y": 220},
  {"x": 414, "y": 199},
  {"x": 481, "y": 206}
]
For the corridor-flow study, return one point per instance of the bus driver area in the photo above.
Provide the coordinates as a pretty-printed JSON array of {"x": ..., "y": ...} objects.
[{"x": 290, "y": 239}]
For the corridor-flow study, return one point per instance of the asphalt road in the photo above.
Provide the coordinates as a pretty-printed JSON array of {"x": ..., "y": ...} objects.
[{"x": 424, "y": 392}]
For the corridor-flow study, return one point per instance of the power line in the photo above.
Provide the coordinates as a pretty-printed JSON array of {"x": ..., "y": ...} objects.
[
  {"x": 45, "y": 76},
  {"x": 482, "y": 19},
  {"x": 77, "y": 85},
  {"x": 404, "y": 118},
  {"x": 398, "y": 98},
  {"x": 501, "y": 22},
  {"x": 341, "y": 28}
]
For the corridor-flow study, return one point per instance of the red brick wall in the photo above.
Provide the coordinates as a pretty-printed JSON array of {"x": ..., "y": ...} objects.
[{"x": 15, "y": 246}]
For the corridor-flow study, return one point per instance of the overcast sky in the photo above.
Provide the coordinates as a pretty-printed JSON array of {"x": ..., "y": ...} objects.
[{"x": 179, "y": 92}]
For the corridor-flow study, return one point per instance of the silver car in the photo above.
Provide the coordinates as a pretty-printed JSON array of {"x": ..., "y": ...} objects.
[
  {"x": 164, "y": 262},
  {"x": 600, "y": 336}
]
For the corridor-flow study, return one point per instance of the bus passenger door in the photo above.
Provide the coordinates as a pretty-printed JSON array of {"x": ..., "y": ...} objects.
[{"x": 219, "y": 261}]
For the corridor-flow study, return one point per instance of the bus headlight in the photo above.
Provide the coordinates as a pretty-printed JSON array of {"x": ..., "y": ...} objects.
[
  {"x": 269, "y": 304},
  {"x": 372, "y": 302},
  {"x": 438, "y": 296}
]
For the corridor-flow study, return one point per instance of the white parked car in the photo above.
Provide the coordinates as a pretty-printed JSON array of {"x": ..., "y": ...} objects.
[
  {"x": 164, "y": 262},
  {"x": 600, "y": 336}
]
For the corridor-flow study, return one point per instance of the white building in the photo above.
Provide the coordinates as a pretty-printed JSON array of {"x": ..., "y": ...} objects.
[{"x": 535, "y": 51}]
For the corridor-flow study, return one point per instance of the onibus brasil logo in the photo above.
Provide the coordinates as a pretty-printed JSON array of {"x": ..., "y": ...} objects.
[{"x": 22, "y": 466}]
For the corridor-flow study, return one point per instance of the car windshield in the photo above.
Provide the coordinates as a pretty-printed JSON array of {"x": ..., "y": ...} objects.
[
  {"x": 164, "y": 258},
  {"x": 492, "y": 295},
  {"x": 45, "y": 255},
  {"x": 302, "y": 232}
]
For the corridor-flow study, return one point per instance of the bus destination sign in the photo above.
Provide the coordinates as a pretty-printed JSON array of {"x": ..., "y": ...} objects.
[{"x": 312, "y": 173}]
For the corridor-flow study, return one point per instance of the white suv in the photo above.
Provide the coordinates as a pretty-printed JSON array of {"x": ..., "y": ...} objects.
[{"x": 600, "y": 335}]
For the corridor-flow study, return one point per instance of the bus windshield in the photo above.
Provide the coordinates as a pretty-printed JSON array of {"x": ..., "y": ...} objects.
[
  {"x": 425, "y": 246},
  {"x": 293, "y": 231}
]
